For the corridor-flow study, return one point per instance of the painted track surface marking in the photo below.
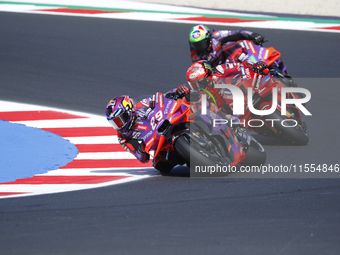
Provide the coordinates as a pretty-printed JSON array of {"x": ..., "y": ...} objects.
[
  {"x": 101, "y": 161},
  {"x": 167, "y": 13}
]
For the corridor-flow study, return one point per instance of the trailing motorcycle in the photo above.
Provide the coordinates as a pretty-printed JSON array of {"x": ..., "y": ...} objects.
[
  {"x": 288, "y": 125},
  {"x": 176, "y": 125},
  {"x": 239, "y": 51}
]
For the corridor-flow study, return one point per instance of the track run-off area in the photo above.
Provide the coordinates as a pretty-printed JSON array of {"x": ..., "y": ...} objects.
[
  {"x": 99, "y": 159},
  {"x": 130, "y": 10}
]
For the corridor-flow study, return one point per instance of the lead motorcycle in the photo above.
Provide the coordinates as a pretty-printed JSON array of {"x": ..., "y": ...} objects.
[{"x": 176, "y": 125}]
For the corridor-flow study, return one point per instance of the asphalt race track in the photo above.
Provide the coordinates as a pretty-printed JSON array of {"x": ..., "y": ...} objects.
[{"x": 80, "y": 63}]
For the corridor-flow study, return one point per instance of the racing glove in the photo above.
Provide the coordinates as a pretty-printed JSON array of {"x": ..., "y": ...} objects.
[
  {"x": 258, "y": 39},
  {"x": 182, "y": 91},
  {"x": 141, "y": 154}
]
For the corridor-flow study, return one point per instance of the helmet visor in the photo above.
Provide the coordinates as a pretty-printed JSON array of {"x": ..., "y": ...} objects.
[
  {"x": 120, "y": 121},
  {"x": 201, "y": 45}
]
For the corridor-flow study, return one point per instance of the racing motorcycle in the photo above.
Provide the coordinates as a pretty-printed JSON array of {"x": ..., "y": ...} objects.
[
  {"x": 239, "y": 51},
  {"x": 287, "y": 126},
  {"x": 176, "y": 125}
]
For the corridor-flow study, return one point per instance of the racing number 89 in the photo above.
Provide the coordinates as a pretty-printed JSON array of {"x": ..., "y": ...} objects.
[{"x": 156, "y": 118}]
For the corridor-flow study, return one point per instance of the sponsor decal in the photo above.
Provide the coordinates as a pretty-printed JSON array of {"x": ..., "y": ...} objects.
[
  {"x": 157, "y": 98},
  {"x": 266, "y": 55},
  {"x": 166, "y": 111},
  {"x": 161, "y": 103},
  {"x": 248, "y": 73},
  {"x": 258, "y": 82},
  {"x": 242, "y": 57},
  {"x": 148, "y": 111},
  {"x": 260, "y": 54},
  {"x": 147, "y": 135},
  {"x": 220, "y": 69},
  {"x": 142, "y": 127},
  {"x": 150, "y": 142},
  {"x": 173, "y": 108},
  {"x": 226, "y": 92},
  {"x": 246, "y": 45},
  {"x": 154, "y": 99},
  {"x": 145, "y": 102},
  {"x": 244, "y": 76},
  {"x": 193, "y": 76},
  {"x": 252, "y": 48}
]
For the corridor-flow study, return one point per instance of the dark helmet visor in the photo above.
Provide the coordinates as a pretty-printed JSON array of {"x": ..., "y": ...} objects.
[{"x": 201, "y": 45}]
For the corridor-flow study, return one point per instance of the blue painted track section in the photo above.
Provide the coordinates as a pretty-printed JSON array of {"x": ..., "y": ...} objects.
[{"x": 26, "y": 151}]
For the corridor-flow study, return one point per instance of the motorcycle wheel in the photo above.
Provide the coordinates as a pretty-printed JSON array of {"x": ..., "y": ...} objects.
[
  {"x": 195, "y": 155},
  {"x": 296, "y": 134}
]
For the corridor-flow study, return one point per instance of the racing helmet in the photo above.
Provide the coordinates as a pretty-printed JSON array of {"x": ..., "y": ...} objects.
[
  {"x": 121, "y": 113},
  {"x": 200, "y": 37},
  {"x": 199, "y": 74}
]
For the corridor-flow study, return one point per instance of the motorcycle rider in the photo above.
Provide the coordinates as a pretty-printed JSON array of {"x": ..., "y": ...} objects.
[
  {"x": 202, "y": 77},
  {"x": 123, "y": 115},
  {"x": 206, "y": 44}
]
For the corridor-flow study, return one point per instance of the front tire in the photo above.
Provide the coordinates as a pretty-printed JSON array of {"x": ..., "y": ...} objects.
[
  {"x": 195, "y": 155},
  {"x": 255, "y": 154},
  {"x": 295, "y": 133}
]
